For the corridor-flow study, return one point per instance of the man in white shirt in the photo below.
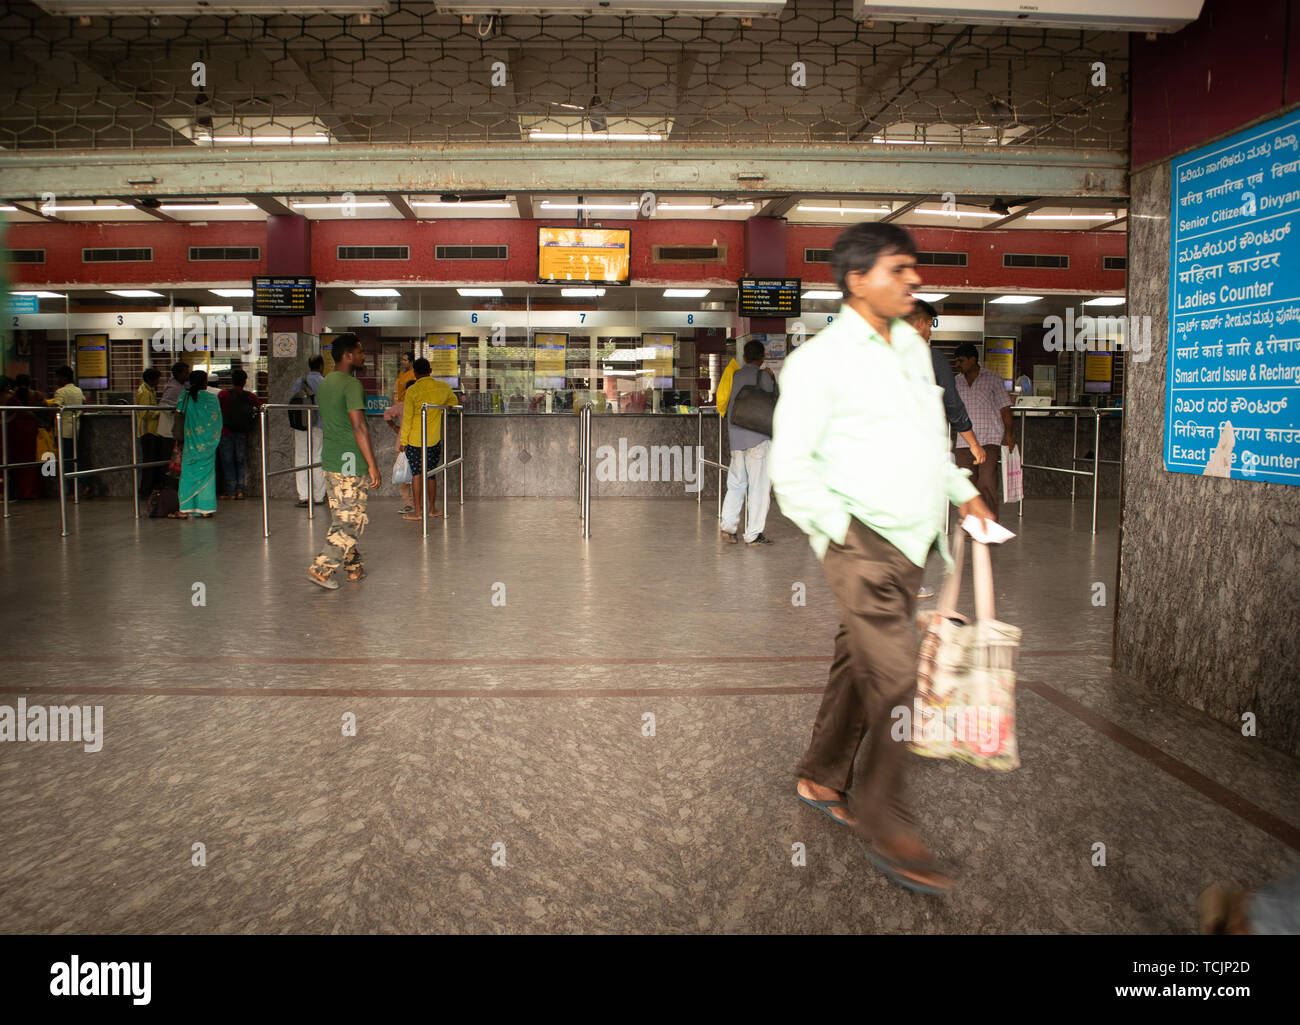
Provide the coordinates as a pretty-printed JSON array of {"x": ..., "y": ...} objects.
[
  {"x": 989, "y": 407},
  {"x": 303, "y": 452}
]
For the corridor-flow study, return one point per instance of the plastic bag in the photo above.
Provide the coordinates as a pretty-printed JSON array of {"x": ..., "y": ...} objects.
[
  {"x": 1013, "y": 480},
  {"x": 401, "y": 469}
]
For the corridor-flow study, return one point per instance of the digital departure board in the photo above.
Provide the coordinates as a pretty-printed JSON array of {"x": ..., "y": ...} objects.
[
  {"x": 284, "y": 297},
  {"x": 768, "y": 297}
]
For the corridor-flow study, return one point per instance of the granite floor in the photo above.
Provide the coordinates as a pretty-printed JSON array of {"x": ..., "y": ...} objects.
[{"x": 501, "y": 779}]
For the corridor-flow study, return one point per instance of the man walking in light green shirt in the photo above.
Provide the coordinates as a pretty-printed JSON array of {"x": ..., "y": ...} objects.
[{"x": 860, "y": 462}]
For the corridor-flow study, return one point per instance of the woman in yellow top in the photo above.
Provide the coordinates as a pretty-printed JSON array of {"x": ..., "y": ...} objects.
[
  {"x": 424, "y": 389},
  {"x": 404, "y": 380}
]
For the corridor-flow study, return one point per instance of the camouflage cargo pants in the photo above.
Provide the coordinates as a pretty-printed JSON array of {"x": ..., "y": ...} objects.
[{"x": 347, "y": 498}]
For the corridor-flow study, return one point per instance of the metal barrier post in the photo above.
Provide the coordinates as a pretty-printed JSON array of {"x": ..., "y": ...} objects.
[
  {"x": 1074, "y": 450},
  {"x": 58, "y": 448},
  {"x": 261, "y": 437},
  {"x": 460, "y": 452},
  {"x": 4, "y": 456},
  {"x": 422, "y": 495},
  {"x": 1096, "y": 465},
  {"x": 135, "y": 469},
  {"x": 76, "y": 464},
  {"x": 446, "y": 484},
  {"x": 311, "y": 484}
]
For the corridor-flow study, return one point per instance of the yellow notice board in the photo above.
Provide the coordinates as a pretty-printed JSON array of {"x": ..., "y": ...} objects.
[
  {"x": 443, "y": 354},
  {"x": 92, "y": 362},
  {"x": 658, "y": 359},
  {"x": 327, "y": 350},
  {"x": 1000, "y": 356},
  {"x": 549, "y": 351},
  {"x": 584, "y": 254}
]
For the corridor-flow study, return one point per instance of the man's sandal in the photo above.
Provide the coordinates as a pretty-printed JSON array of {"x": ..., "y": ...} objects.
[
  {"x": 894, "y": 868},
  {"x": 329, "y": 583},
  {"x": 824, "y": 806},
  {"x": 357, "y": 573}
]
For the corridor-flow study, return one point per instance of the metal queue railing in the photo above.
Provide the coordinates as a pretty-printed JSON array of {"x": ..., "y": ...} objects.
[
  {"x": 64, "y": 474},
  {"x": 1024, "y": 412},
  {"x": 442, "y": 467},
  {"x": 268, "y": 474},
  {"x": 5, "y": 465},
  {"x": 719, "y": 464},
  {"x": 584, "y": 467}
]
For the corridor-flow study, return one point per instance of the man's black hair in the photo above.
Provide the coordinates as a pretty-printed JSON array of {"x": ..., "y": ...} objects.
[
  {"x": 180, "y": 370},
  {"x": 421, "y": 367},
  {"x": 64, "y": 373},
  {"x": 754, "y": 351},
  {"x": 860, "y": 246},
  {"x": 316, "y": 363},
  {"x": 239, "y": 377},
  {"x": 966, "y": 349},
  {"x": 923, "y": 307},
  {"x": 344, "y": 344},
  {"x": 150, "y": 375}
]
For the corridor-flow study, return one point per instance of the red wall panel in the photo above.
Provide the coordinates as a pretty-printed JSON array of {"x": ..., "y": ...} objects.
[
  {"x": 1234, "y": 64},
  {"x": 984, "y": 251},
  {"x": 171, "y": 267}
]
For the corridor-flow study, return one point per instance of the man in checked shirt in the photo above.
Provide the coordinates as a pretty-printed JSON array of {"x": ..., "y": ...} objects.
[{"x": 988, "y": 404}]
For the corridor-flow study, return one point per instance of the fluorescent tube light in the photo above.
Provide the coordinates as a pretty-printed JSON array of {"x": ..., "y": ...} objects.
[
  {"x": 387, "y": 292},
  {"x": 232, "y": 293},
  {"x": 1016, "y": 300},
  {"x": 930, "y": 297},
  {"x": 575, "y": 293},
  {"x": 135, "y": 293},
  {"x": 1106, "y": 300},
  {"x": 685, "y": 293},
  {"x": 816, "y": 293},
  {"x": 42, "y": 295},
  {"x": 472, "y": 292}
]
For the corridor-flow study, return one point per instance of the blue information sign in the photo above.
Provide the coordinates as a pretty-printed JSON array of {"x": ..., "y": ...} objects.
[
  {"x": 1233, "y": 393},
  {"x": 376, "y": 405}
]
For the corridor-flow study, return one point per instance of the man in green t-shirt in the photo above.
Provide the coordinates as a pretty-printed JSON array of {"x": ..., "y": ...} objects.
[{"x": 345, "y": 443}]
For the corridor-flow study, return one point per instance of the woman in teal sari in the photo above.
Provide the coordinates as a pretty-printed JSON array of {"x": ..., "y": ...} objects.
[{"x": 198, "y": 416}]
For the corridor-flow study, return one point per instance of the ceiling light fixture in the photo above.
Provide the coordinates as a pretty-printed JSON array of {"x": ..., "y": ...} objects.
[
  {"x": 232, "y": 293},
  {"x": 479, "y": 292},
  {"x": 41, "y": 295},
  {"x": 391, "y": 293},
  {"x": 930, "y": 297},
  {"x": 1106, "y": 300},
  {"x": 1016, "y": 300},
  {"x": 685, "y": 293},
  {"x": 822, "y": 294},
  {"x": 135, "y": 293},
  {"x": 575, "y": 293}
]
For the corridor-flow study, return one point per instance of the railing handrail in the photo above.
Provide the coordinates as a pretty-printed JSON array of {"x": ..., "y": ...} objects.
[{"x": 442, "y": 467}]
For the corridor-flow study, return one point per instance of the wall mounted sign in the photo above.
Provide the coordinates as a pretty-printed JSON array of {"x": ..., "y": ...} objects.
[{"x": 1232, "y": 395}]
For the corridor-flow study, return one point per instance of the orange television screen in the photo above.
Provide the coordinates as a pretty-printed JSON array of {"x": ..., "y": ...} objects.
[{"x": 601, "y": 256}]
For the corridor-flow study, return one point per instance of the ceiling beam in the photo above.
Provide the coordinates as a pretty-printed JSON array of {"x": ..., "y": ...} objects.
[
  {"x": 269, "y": 205},
  {"x": 133, "y": 202},
  {"x": 780, "y": 206},
  {"x": 1028, "y": 208},
  {"x": 35, "y": 211},
  {"x": 906, "y": 208},
  {"x": 401, "y": 205},
  {"x": 770, "y": 170},
  {"x": 524, "y": 203},
  {"x": 1110, "y": 224}
]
